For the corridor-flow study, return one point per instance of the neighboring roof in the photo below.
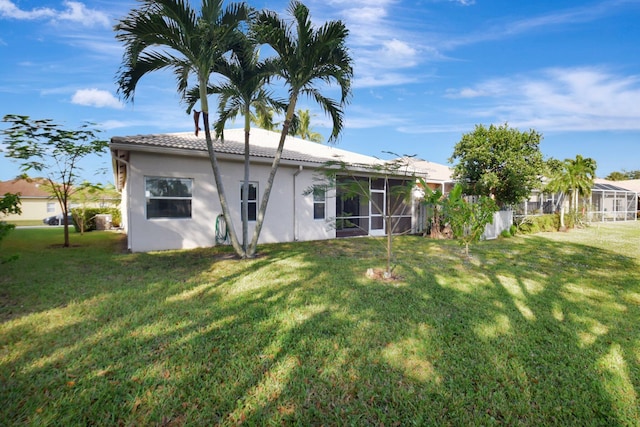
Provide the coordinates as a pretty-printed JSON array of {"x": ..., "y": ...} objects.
[
  {"x": 263, "y": 145},
  {"x": 434, "y": 171},
  {"x": 34, "y": 187},
  {"x": 632, "y": 185}
]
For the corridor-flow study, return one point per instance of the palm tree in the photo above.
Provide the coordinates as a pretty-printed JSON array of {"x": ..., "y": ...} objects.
[
  {"x": 573, "y": 177},
  {"x": 303, "y": 129},
  {"x": 583, "y": 172},
  {"x": 264, "y": 119},
  {"x": 560, "y": 183},
  {"x": 169, "y": 34},
  {"x": 242, "y": 91},
  {"x": 306, "y": 56}
]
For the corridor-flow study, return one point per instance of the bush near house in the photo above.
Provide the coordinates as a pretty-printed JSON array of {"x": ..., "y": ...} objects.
[
  {"x": 544, "y": 223},
  {"x": 89, "y": 216}
]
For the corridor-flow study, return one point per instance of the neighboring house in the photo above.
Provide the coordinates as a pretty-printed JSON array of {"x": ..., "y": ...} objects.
[
  {"x": 36, "y": 201},
  {"x": 609, "y": 201},
  {"x": 170, "y": 200}
]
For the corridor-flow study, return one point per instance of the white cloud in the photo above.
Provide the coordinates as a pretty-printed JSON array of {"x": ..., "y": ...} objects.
[
  {"x": 74, "y": 12},
  {"x": 560, "y": 99},
  {"x": 368, "y": 80},
  {"x": 95, "y": 98},
  {"x": 78, "y": 12},
  {"x": 385, "y": 49},
  {"x": 10, "y": 10}
]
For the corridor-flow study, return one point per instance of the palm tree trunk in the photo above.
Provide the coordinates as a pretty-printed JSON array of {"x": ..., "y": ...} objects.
[
  {"x": 274, "y": 168},
  {"x": 204, "y": 104},
  {"x": 245, "y": 183}
]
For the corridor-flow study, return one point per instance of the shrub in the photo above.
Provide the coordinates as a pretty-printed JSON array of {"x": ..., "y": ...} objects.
[
  {"x": 506, "y": 233},
  {"x": 89, "y": 217},
  {"x": 537, "y": 224}
]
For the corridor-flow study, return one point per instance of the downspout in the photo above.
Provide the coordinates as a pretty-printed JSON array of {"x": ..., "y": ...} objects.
[
  {"x": 126, "y": 182},
  {"x": 295, "y": 221}
]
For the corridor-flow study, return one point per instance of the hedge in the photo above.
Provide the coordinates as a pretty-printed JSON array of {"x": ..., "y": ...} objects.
[{"x": 89, "y": 215}]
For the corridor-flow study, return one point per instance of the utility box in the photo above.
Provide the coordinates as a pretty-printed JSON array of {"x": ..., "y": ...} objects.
[{"x": 103, "y": 222}]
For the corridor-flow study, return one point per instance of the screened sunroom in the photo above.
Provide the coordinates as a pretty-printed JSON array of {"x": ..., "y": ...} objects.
[{"x": 607, "y": 202}]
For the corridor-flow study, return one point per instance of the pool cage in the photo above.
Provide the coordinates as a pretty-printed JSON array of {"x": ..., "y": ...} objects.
[{"x": 607, "y": 202}]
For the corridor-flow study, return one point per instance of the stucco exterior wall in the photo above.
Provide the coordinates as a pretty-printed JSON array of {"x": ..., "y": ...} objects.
[
  {"x": 35, "y": 208},
  {"x": 289, "y": 215}
]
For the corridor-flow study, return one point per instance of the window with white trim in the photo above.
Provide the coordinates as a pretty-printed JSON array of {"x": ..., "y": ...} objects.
[
  {"x": 51, "y": 207},
  {"x": 252, "y": 200},
  {"x": 168, "y": 197},
  {"x": 319, "y": 203}
]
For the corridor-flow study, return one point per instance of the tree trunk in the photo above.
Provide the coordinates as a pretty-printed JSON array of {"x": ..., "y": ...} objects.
[
  {"x": 274, "y": 168},
  {"x": 245, "y": 183},
  {"x": 204, "y": 104}
]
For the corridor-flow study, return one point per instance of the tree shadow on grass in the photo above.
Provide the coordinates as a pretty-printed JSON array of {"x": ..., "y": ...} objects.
[{"x": 522, "y": 334}]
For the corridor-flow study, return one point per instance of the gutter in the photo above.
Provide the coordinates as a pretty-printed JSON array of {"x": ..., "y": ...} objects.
[{"x": 295, "y": 222}]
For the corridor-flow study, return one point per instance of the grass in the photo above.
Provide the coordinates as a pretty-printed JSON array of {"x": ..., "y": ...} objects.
[{"x": 536, "y": 330}]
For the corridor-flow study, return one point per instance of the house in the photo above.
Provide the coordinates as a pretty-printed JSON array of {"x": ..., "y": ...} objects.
[
  {"x": 36, "y": 201},
  {"x": 608, "y": 201},
  {"x": 170, "y": 200}
]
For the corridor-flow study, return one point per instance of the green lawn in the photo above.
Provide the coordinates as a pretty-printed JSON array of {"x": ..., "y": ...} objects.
[{"x": 537, "y": 330}]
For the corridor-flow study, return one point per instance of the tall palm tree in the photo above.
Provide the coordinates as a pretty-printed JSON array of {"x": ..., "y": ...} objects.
[
  {"x": 242, "y": 90},
  {"x": 169, "y": 34},
  {"x": 574, "y": 177},
  {"x": 560, "y": 183},
  {"x": 306, "y": 56},
  {"x": 304, "y": 127},
  {"x": 583, "y": 172}
]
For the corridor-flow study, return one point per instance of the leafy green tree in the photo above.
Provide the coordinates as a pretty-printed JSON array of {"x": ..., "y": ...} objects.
[
  {"x": 304, "y": 130},
  {"x": 48, "y": 148},
  {"x": 616, "y": 176},
  {"x": 88, "y": 195},
  {"x": 169, "y": 34},
  {"x": 9, "y": 204},
  {"x": 468, "y": 220},
  {"x": 624, "y": 175},
  {"x": 500, "y": 162},
  {"x": 306, "y": 57}
]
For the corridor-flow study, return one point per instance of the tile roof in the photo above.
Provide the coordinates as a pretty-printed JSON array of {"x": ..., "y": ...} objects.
[
  {"x": 33, "y": 187},
  {"x": 263, "y": 145}
]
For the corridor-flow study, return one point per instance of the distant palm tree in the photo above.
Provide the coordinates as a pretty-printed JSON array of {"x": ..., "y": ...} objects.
[
  {"x": 306, "y": 56},
  {"x": 264, "y": 119},
  {"x": 169, "y": 34},
  {"x": 303, "y": 129},
  {"x": 583, "y": 172},
  {"x": 574, "y": 177}
]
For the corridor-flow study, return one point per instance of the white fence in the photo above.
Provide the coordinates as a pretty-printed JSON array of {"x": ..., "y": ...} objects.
[{"x": 502, "y": 220}]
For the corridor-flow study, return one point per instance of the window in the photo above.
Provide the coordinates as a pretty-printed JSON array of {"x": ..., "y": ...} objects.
[
  {"x": 51, "y": 207},
  {"x": 168, "y": 197},
  {"x": 252, "y": 200},
  {"x": 319, "y": 203}
]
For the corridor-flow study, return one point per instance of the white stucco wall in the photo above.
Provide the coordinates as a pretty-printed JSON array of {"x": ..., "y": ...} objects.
[{"x": 199, "y": 230}]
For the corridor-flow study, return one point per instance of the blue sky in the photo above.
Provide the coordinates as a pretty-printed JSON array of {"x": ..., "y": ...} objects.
[{"x": 426, "y": 72}]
